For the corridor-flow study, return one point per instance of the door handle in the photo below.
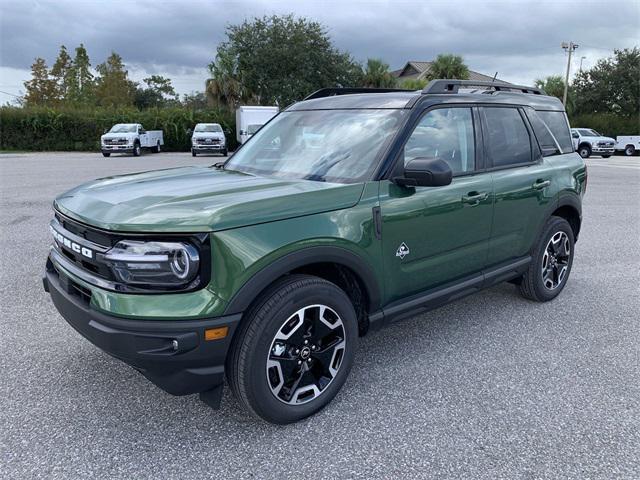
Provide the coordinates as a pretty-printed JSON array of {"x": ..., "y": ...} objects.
[
  {"x": 540, "y": 184},
  {"x": 474, "y": 198}
]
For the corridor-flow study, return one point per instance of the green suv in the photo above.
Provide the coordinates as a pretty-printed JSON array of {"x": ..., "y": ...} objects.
[{"x": 346, "y": 212}]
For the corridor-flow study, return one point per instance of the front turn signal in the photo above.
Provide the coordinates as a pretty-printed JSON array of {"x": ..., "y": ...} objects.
[{"x": 216, "y": 333}]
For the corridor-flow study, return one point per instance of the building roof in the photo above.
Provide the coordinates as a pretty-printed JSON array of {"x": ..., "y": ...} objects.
[{"x": 420, "y": 70}]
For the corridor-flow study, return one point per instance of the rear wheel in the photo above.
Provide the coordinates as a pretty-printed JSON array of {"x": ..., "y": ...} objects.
[
  {"x": 630, "y": 150},
  {"x": 294, "y": 350},
  {"x": 156, "y": 149},
  {"x": 584, "y": 151},
  {"x": 551, "y": 262},
  {"x": 106, "y": 154}
]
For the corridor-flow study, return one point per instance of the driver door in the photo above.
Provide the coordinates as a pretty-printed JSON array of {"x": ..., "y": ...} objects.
[{"x": 434, "y": 235}]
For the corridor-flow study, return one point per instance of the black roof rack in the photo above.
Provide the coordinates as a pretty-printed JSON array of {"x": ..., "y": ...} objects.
[
  {"x": 332, "y": 91},
  {"x": 452, "y": 86}
]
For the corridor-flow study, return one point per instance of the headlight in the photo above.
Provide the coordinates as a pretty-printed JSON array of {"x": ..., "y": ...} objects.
[
  {"x": 594, "y": 143},
  {"x": 155, "y": 264}
]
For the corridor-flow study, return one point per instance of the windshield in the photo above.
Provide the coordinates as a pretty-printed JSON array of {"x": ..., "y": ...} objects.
[
  {"x": 589, "y": 133},
  {"x": 124, "y": 128},
  {"x": 251, "y": 129},
  {"x": 323, "y": 145},
  {"x": 208, "y": 127}
]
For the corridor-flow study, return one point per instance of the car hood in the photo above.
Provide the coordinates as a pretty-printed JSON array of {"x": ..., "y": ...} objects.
[
  {"x": 601, "y": 139},
  {"x": 198, "y": 199},
  {"x": 207, "y": 135},
  {"x": 117, "y": 135}
]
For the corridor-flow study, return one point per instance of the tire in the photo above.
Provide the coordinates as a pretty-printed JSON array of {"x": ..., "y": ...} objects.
[
  {"x": 136, "y": 150},
  {"x": 584, "y": 151},
  {"x": 606, "y": 156},
  {"x": 106, "y": 154},
  {"x": 629, "y": 150},
  {"x": 193, "y": 153},
  {"x": 225, "y": 152},
  {"x": 549, "y": 256},
  {"x": 263, "y": 363},
  {"x": 156, "y": 149}
]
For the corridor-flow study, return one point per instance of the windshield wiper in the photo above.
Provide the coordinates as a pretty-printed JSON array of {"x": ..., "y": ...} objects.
[{"x": 326, "y": 163}]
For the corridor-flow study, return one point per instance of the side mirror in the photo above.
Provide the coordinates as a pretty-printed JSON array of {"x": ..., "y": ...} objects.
[
  {"x": 189, "y": 131},
  {"x": 142, "y": 131},
  {"x": 425, "y": 172},
  {"x": 105, "y": 131},
  {"x": 242, "y": 132}
]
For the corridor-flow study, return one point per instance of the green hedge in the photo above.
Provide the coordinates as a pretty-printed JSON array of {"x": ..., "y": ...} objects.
[
  {"x": 43, "y": 129},
  {"x": 607, "y": 124}
]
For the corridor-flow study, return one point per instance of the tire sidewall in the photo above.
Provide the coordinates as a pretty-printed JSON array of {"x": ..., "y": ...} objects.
[
  {"x": 554, "y": 226},
  {"x": 587, "y": 151},
  {"x": 262, "y": 400},
  {"x": 629, "y": 151}
]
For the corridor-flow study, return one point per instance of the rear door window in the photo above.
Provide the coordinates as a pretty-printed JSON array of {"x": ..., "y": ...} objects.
[{"x": 507, "y": 139}]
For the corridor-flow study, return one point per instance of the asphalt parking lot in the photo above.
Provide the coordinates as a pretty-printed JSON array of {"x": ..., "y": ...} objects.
[{"x": 492, "y": 386}]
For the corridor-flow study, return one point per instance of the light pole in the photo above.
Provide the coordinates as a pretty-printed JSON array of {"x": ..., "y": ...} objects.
[
  {"x": 581, "y": 59},
  {"x": 570, "y": 47}
]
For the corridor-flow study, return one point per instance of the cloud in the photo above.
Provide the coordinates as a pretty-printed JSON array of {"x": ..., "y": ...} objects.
[{"x": 519, "y": 39}]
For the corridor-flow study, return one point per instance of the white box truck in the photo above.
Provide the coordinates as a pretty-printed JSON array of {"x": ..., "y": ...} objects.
[
  {"x": 130, "y": 138},
  {"x": 249, "y": 119}
]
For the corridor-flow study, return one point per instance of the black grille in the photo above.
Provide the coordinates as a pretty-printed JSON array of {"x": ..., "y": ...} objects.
[
  {"x": 115, "y": 141},
  {"x": 208, "y": 141}
]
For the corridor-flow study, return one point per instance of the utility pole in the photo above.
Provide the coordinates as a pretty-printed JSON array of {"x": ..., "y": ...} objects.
[{"x": 570, "y": 47}]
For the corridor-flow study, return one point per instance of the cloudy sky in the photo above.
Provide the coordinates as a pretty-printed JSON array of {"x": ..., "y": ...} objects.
[{"x": 518, "y": 39}]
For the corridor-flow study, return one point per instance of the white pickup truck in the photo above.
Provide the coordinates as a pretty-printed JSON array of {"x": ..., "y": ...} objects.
[
  {"x": 130, "y": 138},
  {"x": 629, "y": 144},
  {"x": 587, "y": 142}
]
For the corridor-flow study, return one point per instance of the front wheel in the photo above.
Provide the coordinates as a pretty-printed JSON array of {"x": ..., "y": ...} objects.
[
  {"x": 193, "y": 153},
  {"x": 550, "y": 263},
  {"x": 294, "y": 350},
  {"x": 136, "y": 150},
  {"x": 585, "y": 152},
  {"x": 106, "y": 154},
  {"x": 225, "y": 152},
  {"x": 630, "y": 150}
]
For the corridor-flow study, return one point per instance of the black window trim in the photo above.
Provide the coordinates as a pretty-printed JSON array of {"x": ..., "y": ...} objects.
[
  {"x": 536, "y": 152},
  {"x": 477, "y": 139}
]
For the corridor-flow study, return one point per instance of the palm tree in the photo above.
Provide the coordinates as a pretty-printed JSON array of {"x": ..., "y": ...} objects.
[
  {"x": 377, "y": 75},
  {"x": 448, "y": 66}
]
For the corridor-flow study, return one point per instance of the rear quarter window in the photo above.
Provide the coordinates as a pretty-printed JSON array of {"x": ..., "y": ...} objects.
[{"x": 559, "y": 127}]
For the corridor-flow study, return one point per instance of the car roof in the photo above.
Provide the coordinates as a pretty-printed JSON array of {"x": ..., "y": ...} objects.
[{"x": 403, "y": 99}]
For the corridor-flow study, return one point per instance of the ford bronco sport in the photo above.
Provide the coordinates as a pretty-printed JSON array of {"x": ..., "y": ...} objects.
[{"x": 346, "y": 212}]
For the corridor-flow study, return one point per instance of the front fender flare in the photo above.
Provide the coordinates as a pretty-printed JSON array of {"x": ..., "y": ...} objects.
[{"x": 306, "y": 256}]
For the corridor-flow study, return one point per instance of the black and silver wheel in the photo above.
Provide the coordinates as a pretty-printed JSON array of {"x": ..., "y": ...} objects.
[
  {"x": 157, "y": 149},
  {"x": 585, "y": 151},
  {"x": 306, "y": 354},
  {"x": 630, "y": 150},
  {"x": 551, "y": 262},
  {"x": 294, "y": 349},
  {"x": 136, "y": 150}
]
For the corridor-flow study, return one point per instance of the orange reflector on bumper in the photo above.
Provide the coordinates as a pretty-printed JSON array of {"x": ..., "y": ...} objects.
[{"x": 216, "y": 333}]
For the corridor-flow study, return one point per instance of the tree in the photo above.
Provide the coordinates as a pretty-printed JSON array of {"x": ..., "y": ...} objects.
[
  {"x": 194, "y": 100},
  {"x": 377, "y": 75},
  {"x": 554, "y": 85},
  {"x": 113, "y": 87},
  {"x": 81, "y": 83},
  {"x": 414, "y": 84},
  {"x": 62, "y": 74},
  {"x": 40, "y": 90},
  {"x": 611, "y": 85},
  {"x": 448, "y": 66},
  {"x": 278, "y": 60},
  {"x": 158, "y": 93}
]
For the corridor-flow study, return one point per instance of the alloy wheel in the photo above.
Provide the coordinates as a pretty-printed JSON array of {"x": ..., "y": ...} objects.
[
  {"x": 555, "y": 260},
  {"x": 306, "y": 354}
]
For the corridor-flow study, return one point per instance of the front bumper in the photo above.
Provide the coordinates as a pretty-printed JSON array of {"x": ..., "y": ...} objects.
[
  {"x": 193, "y": 366},
  {"x": 208, "y": 148},
  {"x": 605, "y": 150},
  {"x": 117, "y": 148}
]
